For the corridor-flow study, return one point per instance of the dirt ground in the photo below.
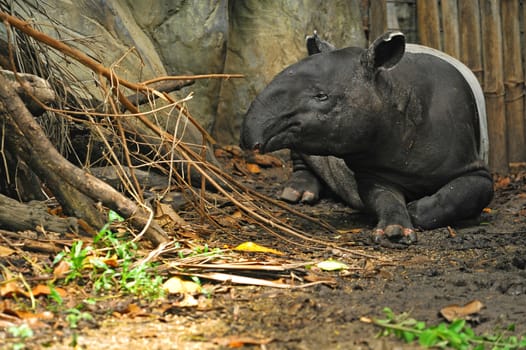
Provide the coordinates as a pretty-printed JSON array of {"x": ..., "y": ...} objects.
[{"x": 482, "y": 260}]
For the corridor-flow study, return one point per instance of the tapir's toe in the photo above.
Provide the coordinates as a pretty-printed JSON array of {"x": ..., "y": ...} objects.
[
  {"x": 303, "y": 187},
  {"x": 403, "y": 235},
  {"x": 290, "y": 194},
  {"x": 293, "y": 195}
]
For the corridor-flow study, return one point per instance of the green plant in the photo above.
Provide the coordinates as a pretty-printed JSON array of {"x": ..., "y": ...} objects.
[
  {"x": 456, "y": 335},
  {"x": 105, "y": 230},
  {"x": 76, "y": 258},
  {"x": 74, "y": 316},
  {"x": 199, "y": 251},
  {"x": 23, "y": 332},
  {"x": 112, "y": 264},
  {"x": 54, "y": 295}
]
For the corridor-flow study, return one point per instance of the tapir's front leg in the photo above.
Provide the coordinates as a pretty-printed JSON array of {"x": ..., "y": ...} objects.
[
  {"x": 303, "y": 185},
  {"x": 389, "y": 205},
  {"x": 462, "y": 198}
]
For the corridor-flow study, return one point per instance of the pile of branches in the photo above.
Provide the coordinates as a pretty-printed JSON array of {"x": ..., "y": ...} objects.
[{"x": 127, "y": 130}]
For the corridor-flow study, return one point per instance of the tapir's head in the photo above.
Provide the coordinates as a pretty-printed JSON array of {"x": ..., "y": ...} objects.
[{"x": 327, "y": 103}]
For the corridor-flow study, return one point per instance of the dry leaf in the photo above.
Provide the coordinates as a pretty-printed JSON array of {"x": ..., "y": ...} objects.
[
  {"x": 165, "y": 214},
  {"x": 253, "y": 247},
  {"x": 98, "y": 261},
  {"x": 225, "y": 277},
  {"x": 312, "y": 277},
  {"x": 5, "y": 251},
  {"x": 11, "y": 288},
  {"x": 502, "y": 182},
  {"x": 234, "y": 341},
  {"x": 26, "y": 315},
  {"x": 61, "y": 269},
  {"x": 133, "y": 310},
  {"x": 454, "y": 312},
  {"x": 266, "y": 160},
  {"x": 233, "y": 150},
  {"x": 221, "y": 153},
  {"x": 253, "y": 168},
  {"x": 227, "y": 221},
  {"x": 45, "y": 290},
  {"x": 111, "y": 262},
  {"x": 237, "y": 214},
  {"x": 351, "y": 230}
]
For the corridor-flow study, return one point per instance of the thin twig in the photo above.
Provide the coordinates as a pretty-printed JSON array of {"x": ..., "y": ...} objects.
[{"x": 193, "y": 77}]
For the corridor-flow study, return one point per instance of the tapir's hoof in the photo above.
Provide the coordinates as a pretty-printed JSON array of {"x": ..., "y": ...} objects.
[
  {"x": 292, "y": 195},
  {"x": 401, "y": 234}
]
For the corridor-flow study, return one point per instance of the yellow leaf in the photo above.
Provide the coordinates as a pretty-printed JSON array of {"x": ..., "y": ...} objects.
[
  {"x": 4, "y": 251},
  {"x": 175, "y": 285},
  {"x": 253, "y": 247},
  {"x": 253, "y": 168}
]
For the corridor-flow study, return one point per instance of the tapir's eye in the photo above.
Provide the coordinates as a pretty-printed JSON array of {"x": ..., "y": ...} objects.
[{"x": 321, "y": 96}]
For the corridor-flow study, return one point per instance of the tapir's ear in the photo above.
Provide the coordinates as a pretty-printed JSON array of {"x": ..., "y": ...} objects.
[
  {"x": 385, "y": 52},
  {"x": 316, "y": 45}
]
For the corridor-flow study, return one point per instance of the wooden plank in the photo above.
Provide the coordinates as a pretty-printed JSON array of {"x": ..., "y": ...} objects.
[
  {"x": 450, "y": 27},
  {"x": 494, "y": 84},
  {"x": 377, "y": 19},
  {"x": 428, "y": 23},
  {"x": 470, "y": 36},
  {"x": 513, "y": 81}
]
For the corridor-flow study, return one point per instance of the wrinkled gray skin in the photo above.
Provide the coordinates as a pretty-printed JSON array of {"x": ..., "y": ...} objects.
[{"x": 405, "y": 124}]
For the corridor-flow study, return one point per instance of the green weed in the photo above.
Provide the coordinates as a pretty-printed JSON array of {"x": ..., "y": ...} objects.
[
  {"x": 456, "y": 335},
  {"x": 111, "y": 263},
  {"x": 74, "y": 316},
  {"x": 22, "y": 332}
]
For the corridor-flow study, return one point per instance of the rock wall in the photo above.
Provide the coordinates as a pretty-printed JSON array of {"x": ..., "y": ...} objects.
[
  {"x": 267, "y": 36},
  {"x": 175, "y": 37}
]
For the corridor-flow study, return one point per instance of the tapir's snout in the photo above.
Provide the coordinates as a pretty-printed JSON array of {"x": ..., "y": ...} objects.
[
  {"x": 251, "y": 137},
  {"x": 255, "y": 123}
]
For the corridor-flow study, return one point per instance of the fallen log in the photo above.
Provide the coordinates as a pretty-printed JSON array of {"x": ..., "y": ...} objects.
[
  {"x": 16, "y": 216},
  {"x": 17, "y": 180},
  {"x": 30, "y": 88}
]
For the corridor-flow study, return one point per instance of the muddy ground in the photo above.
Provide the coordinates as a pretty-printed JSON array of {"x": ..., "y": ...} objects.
[{"x": 482, "y": 260}]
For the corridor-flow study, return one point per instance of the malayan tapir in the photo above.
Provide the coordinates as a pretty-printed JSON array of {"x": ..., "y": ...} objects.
[{"x": 396, "y": 129}]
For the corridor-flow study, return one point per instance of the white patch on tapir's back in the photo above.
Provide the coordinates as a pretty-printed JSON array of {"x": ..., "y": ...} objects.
[{"x": 471, "y": 79}]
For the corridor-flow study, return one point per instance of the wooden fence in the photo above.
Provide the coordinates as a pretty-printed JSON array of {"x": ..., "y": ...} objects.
[{"x": 487, "y": 36}]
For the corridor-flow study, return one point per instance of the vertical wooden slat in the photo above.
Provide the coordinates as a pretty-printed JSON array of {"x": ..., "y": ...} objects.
[
  {"x": 450, "y": 27},
  {"x": 524, "y": 52},
  {"x": 513, "y": 81},
  {"x": 428, "y": 23},
  {"x": 470, "y": 43},
  {"x": 378, "y": 18},
  {"x": 494, "y": 84}
]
